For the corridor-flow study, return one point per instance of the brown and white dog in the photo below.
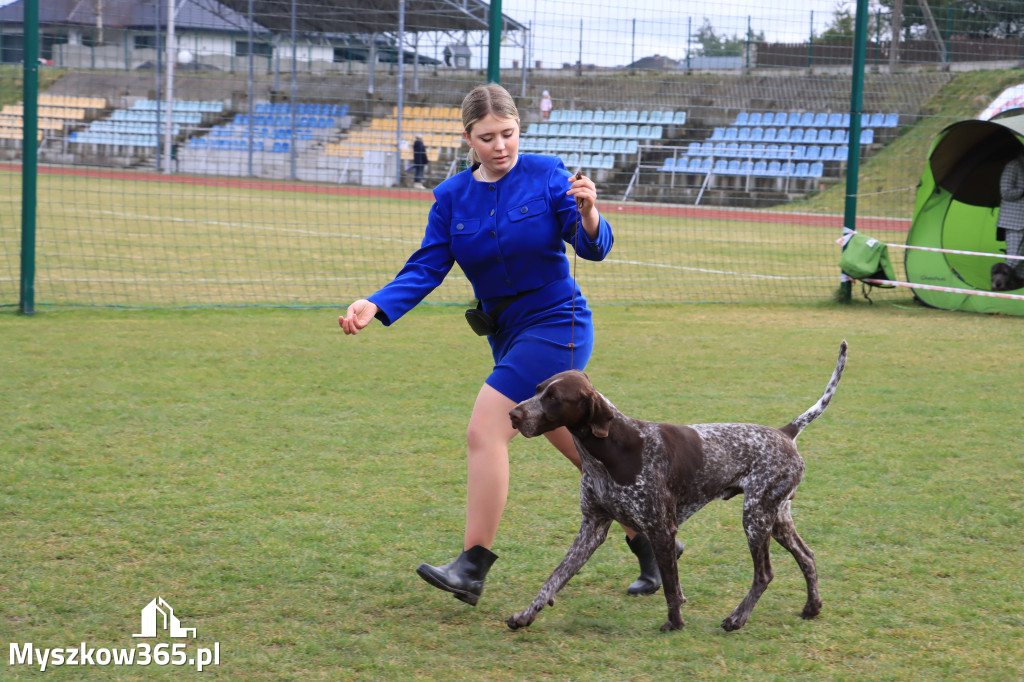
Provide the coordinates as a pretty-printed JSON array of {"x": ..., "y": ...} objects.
[{"x": 652, "y": 477}]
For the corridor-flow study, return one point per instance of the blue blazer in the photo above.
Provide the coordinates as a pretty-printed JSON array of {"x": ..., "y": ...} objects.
[{"x": 508, "y": 236}]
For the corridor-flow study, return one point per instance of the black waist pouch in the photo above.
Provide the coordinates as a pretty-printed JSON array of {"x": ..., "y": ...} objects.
[{"x": 486, "y": 324}]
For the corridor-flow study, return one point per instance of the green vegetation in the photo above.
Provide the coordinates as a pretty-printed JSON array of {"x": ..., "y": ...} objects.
[{"x": 277, "y": 483}]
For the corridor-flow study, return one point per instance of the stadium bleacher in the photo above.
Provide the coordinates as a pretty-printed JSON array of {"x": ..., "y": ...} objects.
[{"x": 142, "y": 126}]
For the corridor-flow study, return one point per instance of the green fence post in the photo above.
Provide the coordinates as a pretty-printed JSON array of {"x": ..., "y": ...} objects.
[
  {"x": 30, "y": 117},
  {"x": 860, "y": 34},
  {"x": 494, "y": 43}
]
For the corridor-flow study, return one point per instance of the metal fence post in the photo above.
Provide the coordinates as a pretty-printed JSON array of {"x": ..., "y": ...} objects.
[
  {"x": 860, "y": 33},
  {"x": 29, "y": 142}
]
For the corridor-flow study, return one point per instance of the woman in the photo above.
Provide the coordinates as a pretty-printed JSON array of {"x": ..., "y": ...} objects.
[{"x": 505, "y": 221}]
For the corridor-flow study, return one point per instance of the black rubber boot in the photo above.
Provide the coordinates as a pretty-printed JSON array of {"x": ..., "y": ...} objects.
[
  {"x": 463, "y": 577},
  {"x": 650, "y": 577}
]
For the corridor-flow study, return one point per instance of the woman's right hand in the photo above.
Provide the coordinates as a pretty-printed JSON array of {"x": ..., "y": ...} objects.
[{"x": 358, "y": 316}]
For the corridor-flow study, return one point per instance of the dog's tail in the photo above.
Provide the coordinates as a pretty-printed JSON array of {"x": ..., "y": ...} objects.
[{"x": 794, "y": 428}]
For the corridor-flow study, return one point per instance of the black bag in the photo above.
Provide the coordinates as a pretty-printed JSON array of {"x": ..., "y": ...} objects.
[{"x": 486, "y": 324}]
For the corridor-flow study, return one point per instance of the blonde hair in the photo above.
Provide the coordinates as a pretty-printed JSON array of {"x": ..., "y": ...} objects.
[{"x": 483, "y": 100}]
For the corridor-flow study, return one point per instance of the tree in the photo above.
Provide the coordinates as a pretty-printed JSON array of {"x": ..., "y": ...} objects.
[
  {"x": 967, "y": 18},
  {"x": 842, "y": 26},
  {"x": 714, "y": 45}
]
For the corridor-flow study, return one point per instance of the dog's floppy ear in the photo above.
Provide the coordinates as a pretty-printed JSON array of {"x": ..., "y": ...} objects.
[{"x": 600, "y": 414}]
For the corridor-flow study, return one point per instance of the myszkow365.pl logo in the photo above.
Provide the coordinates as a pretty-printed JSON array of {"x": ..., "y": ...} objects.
[{"x": 157, "y": 615}]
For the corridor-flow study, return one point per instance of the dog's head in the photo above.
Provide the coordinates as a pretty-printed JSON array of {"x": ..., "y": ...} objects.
[
  {"x": 566, "y": 399},
  {"x": 1004, "y": 278}
]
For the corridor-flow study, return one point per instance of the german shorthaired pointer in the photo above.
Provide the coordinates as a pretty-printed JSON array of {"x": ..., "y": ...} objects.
[{"x": 653, "y": 477}]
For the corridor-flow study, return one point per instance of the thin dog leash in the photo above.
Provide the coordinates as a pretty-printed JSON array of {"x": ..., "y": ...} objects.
[{"x": 575, "y": 255}]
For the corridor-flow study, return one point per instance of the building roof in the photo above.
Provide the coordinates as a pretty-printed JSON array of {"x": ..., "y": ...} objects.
[{"x": 315, "y": 16}]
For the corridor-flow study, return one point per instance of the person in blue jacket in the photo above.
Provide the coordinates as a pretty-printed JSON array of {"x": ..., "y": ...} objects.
[{"x": 506, "y": 221}]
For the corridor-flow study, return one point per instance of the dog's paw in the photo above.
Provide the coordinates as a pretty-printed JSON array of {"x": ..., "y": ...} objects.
[
  {"x": 669, "y": 626},
  {"x": 523, "y": 619},
  {"x": 732, "y": 623},
  {"x": 811, "y": 610}
]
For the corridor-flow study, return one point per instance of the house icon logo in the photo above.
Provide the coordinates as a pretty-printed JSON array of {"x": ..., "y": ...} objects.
[{"x": 159, "y": 612}]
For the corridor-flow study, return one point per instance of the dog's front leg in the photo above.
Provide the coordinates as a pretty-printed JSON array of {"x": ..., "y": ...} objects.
[
  {"x": 664, "y": 543},
  {"x": 593, "y": 532}
]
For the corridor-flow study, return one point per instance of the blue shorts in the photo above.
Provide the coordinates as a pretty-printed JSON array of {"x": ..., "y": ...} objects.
[{"x": 539, "y": 348}]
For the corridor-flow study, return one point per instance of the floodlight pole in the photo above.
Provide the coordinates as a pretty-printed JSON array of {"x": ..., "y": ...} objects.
[
  {"x": 494, "y": 44},
  {"x": 860, "y": 34},
  {"x": 29, "y": 166}
]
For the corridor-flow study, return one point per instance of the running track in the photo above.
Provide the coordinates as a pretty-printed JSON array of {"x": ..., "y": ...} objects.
[{"x": 867, "y": 223}]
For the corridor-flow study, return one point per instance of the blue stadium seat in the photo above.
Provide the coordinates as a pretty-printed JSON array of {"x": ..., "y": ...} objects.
[
  {"x": 891, "y": 121},
  {"x": 874, "y": 121},
  {"x": 768, "y": 118},
  {"x": 632, "y": 116},
  {"x": 806, "y": 119},
  {"x": 758, "y": 151},
  {"x": 828, "y": 153},
  {"x": 760, "y": 168},
  {"x": 769, "y": 134},
  {"x": 774, "y": 168},
  {"x": 733, "y": 168},
  {"x": 632, "y": 146},
  {"x": 783, "y": 135},
  {"x": 696, "y": 165},
  {"x": 732, "y": 149},
  {"x": 741, "y": 119},
  {"x": 717, "y": 134},
  {"x": 840, "y": 136},
  {"x": 656, "y": 132},
  {"x": 588, "y": 116},
  {"x": 802, "y": 170},
  {"x": 655, "y": 116},
  {"x": 706, "y": 149},
  {"x": 754, "y": 119},
  {"x": 756, "y": 134},
  {"x": 732, "y": 133},
  {"x": 644, "y": 133},
  {"x": 620, "y": 146},
  {"x": 693, "y": 149},
  {"x": 867, "y": 136},
  {"x": 645, "y": 116},
  {"x": 813, "y": 153},
  {"x": 746, "y": 167},
  {"x": 620, "y": 116},
  {"x": 820, "y": 121},
  {"x": 720, "y": 167},
  {"x": 679, "y": 118},
  {"x": 811, "y": 135},
  {"x": 743, "y": 135},
  {"x": 796, "y": 135},
  {"x": 608, "y": 146},
  {"x": 834, "y": 121},
  {"x": 799, "y": 152},
  {"x": 620, "y": 130},
  {"x": 816, "y": 170}
]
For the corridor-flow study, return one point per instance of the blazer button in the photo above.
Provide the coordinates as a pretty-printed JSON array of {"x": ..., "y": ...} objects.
[
  {"x": 493, "y": 188},
  {"x": 460, "y": 226},
  {"x": 493, "y": 233},
  {"x": 492, "y": 211},
  {"x": 523, "y": 209}
]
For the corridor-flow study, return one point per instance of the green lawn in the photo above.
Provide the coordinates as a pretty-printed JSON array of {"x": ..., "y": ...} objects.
[{"x": 277, "y": 483}]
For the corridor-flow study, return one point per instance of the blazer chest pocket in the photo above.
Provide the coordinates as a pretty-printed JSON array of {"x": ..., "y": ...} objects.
[
  {"x": 531, "y": 208},
  {"x": 464, "y": 227}
]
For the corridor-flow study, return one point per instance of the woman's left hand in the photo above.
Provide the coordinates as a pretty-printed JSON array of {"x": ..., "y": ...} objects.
[{"x": 584, "y": 191}]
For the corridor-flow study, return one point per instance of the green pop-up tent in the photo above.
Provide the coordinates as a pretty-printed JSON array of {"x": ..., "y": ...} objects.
[{"x": 957, "y": 206}]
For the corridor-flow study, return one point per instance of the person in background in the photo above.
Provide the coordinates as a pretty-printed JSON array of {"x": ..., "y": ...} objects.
[
  {"x": 419, "y": 161},
  {"x": 506, "y": 221},
  {"x": 545, "y": 105},
  {"x": 1011, "y": 220}
]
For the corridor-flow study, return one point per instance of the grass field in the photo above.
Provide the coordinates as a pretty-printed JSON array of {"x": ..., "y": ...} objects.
[
  {"x": 114, "y": 240},
  {"x": 277, "y": 483}
]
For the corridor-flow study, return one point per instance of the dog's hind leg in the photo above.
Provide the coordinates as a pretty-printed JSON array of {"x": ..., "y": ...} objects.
[
  {"x": 593, "y": 532},
  {"x": 757, "y": 522},
  {"x": 784, "y": 532}
]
